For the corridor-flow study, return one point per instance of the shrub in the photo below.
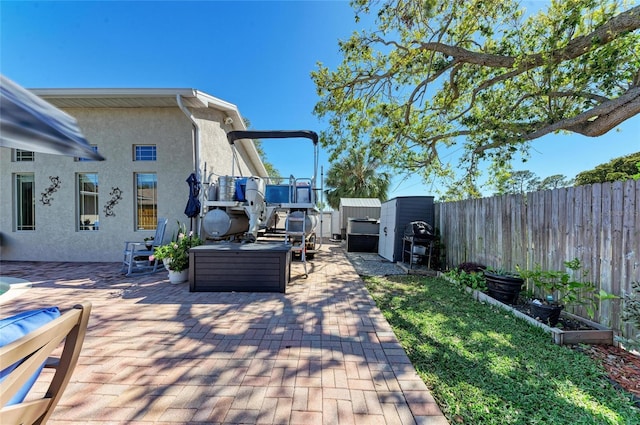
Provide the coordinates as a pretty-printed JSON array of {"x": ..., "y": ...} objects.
[
  {"x": 474, "y": 280},
  {"x": 470, "y": 267},
  {"x": 631, "y": 314}
]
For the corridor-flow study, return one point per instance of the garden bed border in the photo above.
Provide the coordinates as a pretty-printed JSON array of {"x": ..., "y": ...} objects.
[{"x": 600, "y": 335}]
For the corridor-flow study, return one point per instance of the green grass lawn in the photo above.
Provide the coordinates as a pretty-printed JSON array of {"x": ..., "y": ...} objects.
[{"x": 485, "y": 366}]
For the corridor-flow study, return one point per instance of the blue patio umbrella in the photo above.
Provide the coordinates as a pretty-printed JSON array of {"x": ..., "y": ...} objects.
[
  {"x": 193, "y": 205},
  {"x": 29, "y": 123}
]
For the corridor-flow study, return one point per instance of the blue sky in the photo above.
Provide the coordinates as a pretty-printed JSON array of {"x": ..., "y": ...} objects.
[{"x": 257, "y": 55}]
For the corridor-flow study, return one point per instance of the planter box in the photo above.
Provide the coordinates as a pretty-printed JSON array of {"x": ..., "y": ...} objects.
[{"x": 599, "y": 335}]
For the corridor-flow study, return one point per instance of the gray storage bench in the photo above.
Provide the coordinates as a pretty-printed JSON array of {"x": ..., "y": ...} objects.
[{"x": 242, "y": 267}]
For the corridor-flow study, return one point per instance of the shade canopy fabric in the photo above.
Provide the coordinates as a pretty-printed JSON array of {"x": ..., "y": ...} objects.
[{"x": 29, "y": 123}]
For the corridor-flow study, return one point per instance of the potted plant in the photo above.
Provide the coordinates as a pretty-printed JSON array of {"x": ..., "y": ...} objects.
[
  {"x": 503, "y": 285},
  {"x": 175, "y": 254},
  {"x": 559, "y": 288}
]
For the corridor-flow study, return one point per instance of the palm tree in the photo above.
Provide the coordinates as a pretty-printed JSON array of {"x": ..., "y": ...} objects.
[{"x": 356, "y": 176}]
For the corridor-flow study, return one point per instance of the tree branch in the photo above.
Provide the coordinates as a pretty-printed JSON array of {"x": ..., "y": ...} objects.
[
  {"x": 559, "y": 94},
  {"x": 626, "y": 21},
  {"x": 592, "y": 123},
  {"x": 431, "y": 140},
  {"x": 608, "y": 115}
]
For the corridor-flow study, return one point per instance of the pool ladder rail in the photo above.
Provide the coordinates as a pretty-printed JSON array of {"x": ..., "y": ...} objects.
[{"x": 290, "y": 236}]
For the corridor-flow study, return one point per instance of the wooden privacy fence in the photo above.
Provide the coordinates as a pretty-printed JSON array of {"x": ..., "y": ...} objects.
[{"x": 598, "y": 224}]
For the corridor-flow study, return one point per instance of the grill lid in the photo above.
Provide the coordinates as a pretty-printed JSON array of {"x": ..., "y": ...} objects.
[{"x": 419, "y": 230}]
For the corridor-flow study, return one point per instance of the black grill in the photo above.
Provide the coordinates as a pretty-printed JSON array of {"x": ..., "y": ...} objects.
[{"x": 419, "y": 231}]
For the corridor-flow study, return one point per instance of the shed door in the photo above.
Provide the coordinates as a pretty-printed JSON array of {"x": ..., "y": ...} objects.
[{"x": 387, "y": 229}]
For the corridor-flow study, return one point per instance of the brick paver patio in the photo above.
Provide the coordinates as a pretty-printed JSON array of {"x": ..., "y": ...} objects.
[{"x": 157, "y": 354}]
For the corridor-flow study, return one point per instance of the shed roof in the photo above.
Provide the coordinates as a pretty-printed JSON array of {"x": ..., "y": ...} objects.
[{"x": 359, "y": 202}]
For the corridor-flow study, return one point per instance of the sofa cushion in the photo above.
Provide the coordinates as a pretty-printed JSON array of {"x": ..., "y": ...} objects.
[{"x": 15, "y": 327}]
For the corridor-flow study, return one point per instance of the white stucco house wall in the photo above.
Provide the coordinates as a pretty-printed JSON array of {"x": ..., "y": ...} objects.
[{"x": 59, "y": 208}]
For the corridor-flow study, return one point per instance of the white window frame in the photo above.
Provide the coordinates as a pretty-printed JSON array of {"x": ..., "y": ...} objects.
[
  {"x": 145, "y": 153},
  {"x": 85, "y": 212},
  {"x": 21, "y": 155},
  {"x": 145, "y": 221}
]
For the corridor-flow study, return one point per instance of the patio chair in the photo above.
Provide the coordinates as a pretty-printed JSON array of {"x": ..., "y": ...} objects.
[
  {"x": 133, "y": 250},
  {"x": 29, "y": 339}
]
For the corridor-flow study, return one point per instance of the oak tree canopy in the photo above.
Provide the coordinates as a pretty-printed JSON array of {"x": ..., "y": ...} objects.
[{"x": 483, "y": 78}]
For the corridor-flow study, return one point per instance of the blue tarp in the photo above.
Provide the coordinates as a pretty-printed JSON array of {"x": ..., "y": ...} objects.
[{"x": 241, "y": 186}]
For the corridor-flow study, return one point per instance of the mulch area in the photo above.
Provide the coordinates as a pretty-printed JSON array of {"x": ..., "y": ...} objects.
[{"x": 622, "y": 366}]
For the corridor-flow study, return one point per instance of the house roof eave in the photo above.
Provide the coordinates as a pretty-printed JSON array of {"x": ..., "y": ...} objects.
[{"x": 151, "y": 98}]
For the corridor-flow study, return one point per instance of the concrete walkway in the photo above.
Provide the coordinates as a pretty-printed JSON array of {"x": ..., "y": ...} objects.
[{"x": 157, "y": 354}]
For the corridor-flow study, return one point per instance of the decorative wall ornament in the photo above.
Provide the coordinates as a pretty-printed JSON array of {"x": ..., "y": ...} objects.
[
  {"x": 45, "y": 197},
  {"x": 116, "y": 195}
]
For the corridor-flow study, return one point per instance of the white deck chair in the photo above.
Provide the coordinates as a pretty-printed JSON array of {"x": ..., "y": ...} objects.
[{"x": 139, "y": 249}]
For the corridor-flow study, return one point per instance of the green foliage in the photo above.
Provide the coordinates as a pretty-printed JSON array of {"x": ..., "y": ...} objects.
[
  {"x": 631, "y": 314},
  {"x": 177, "y": 251},
  {"x": 502, "y": 272},
  {"x": 474, "y": 280},
  {"x": 485, "y": 366},
  {"x": 566, "y": 287},
  {"x": 622, "y": 168},
  {"x": 479, "y": 77},
  {"x": 554, "y": 182},
  {"x": 272, "y": 171},
  {"x": 356, "y": 176},
  {"x": 518, "y": 182},
  {"x": 508, "y": 181}
]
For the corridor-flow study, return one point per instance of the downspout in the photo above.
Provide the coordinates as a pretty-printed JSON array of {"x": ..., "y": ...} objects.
[{"x": 195, "y": 140}]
